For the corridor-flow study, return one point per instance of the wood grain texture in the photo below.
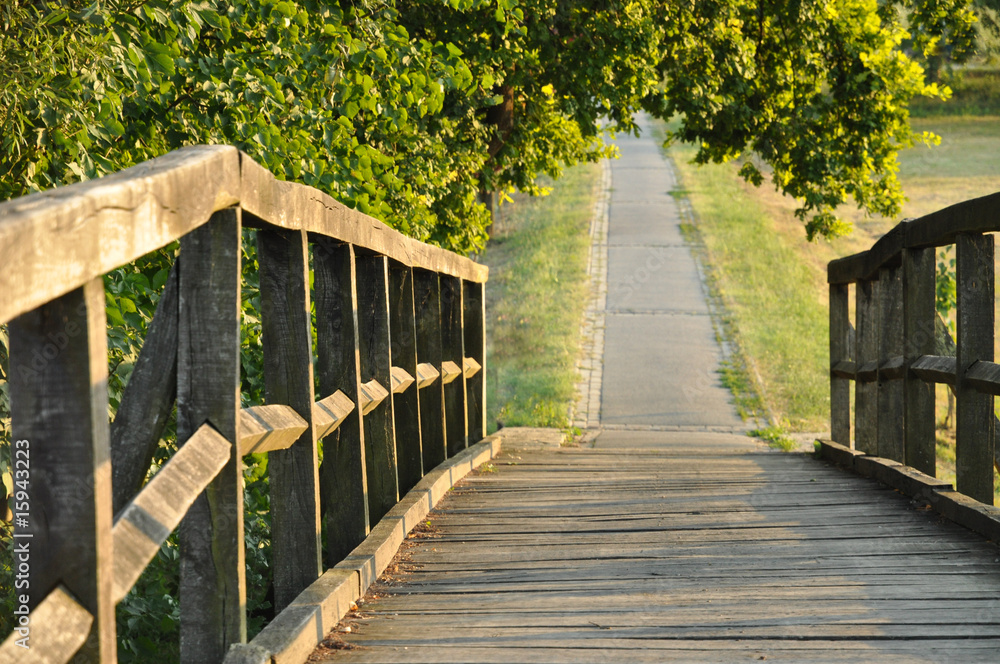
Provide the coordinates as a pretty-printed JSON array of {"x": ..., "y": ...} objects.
[
  {"x": 427, "y": 375},
  {"x": 286, "y": 335},
  {"x": 146, "y": 522},
  {"x": 58, "y": 628},
  {"x": 453, "y": 352},
  {"x": 213, "y": 581},
  {"x": 405, "y": 402},
  {"x": 427, "y": 310},
  {"x": 58, "y": 405},
  {"x": 343, "y": 477},
  {"x": 269, "y": 428},
  {"x": 372, "y": 395},
  {"x": 919, "y": 314},
  {"x": 974, "y": 417},
  {"x": 890, "y": 354},
  {"x": 474, "y": 362},
  {"x": 330, "y": 413},
  {"x": 55, "y": 241},
  {"x": 840, "y": 385},
  {"x": 148, "y": 400},
  {"x": 866, "y": 392},
  {"x": 935, "y": 369}
]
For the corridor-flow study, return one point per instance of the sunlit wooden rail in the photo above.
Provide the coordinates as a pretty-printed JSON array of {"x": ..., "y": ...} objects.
[{"x": 399, "y": 364}]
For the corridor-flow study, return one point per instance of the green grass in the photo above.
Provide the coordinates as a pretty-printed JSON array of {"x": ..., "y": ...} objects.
[{"x": 536, "y": 296}]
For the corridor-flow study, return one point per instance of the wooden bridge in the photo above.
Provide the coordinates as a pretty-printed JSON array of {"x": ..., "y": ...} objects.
[{"x": 665, "y": 535}]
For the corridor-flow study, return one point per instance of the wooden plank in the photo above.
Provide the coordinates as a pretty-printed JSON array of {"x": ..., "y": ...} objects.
[
  {"x": 919, "y": 314},
  {"x": 148, "y": 400},
  {"x": 984, "y": 376},
  {"x": 146, "y": 522},
  {"x": 54, "y": 241},
  {"x": 934, "y": 369},
  {"x": 376, "y": 371},
  {"x": 866, "y": 392},
  {"x": 450, "y": 371},
  {"x": 426, "y": 375},
  {"x": 867, "y": 372},
  {"x": 268, "y": 428},
  {"x": 453, "y": 352},
  {"x": 343, "y": 477},
  {"x": 974, "y": 417},
  {"x": 286, "y": 335},
  {"x": 57, "y": 628},
  {"x": 405, "y": 402},
  {"x": 890, "y": 350},
  {"x": 58, "y": 405},
  {"x": 213, "y": 581},
  {"x": 474, "y": 327},
  {"x": 470, "y": 367},
  {"x": 427, "y": 308},
  {"x": 330, "y": 413},
  {"x": 372, "y": 395},
  {"x": 841, "y": 367},
  {"x": 298, "y": 207}
]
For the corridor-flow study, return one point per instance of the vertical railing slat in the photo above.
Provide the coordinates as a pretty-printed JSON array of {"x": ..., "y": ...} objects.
[
  {"x": 453, "y": 349},
  {"x": 59, "y": 407},
  {"x": 286, "y": 335},
  {"x": 890, "y": 346},
  {"x": 474, "y": 307},
  {"x": 427, "y": 303},
  {"x": 213, "y": 584},
  {"x": 406, "y": 405},
  {"x": 866, "y": 392},
  {"x": 974, "y": 423},
  {"x": 840, "y": 388},
  {"x": 918, "y": 316}
]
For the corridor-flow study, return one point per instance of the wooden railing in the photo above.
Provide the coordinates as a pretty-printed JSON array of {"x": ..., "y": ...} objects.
[
  {"x": 901, "y": 349},
  {"x": 399, "y": 361}
]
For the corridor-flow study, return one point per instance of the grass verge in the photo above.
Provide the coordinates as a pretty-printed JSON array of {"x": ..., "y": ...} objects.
[{"x": 536, "y": 296}]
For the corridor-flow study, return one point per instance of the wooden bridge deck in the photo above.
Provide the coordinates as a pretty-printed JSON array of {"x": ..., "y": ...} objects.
[{"x": 699, "y": 547}]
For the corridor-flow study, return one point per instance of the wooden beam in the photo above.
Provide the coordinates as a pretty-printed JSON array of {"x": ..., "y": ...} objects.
[
  {"x": 401, "y": 380},
  {"x": 449, "y": 372},
  {"x": 934, "y": 369},
  {"x": 470, "y": 368},
  {"x": 919, "y": 292},
  {"x": 330, "y": 413},
  {"x": 427, "y": 310},
  {"x": 372, "y": 394},
  {"x": 985, "y": 377},
  {"x": 865, "y": 386},
  {"x": 405, "y": 402},
  {"x": 146, "y": 522},
  {"x": 269, "y": 428},
  {"x": 474, "y": 329},
  {"x": 426, "y": 375},
  {"x": 867, "y": 372},
  {"x": 453, "y": 351},
  {"x": 58, "y": 629},
  {"x": 842, "y": 369}
]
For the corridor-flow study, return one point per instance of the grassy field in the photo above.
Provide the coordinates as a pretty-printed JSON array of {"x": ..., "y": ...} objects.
[{"x": 535, "y": 300}]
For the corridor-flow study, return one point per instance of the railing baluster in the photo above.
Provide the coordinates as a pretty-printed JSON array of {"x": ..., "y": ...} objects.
[
  {"x": 475, "y": 347},
  {"x": 59, "y": 402},
  {"x": 343, "y": 478},
  {"x": 890, "y": 352},
  {"x": 974, "y": 424},
  {"x": 866, "y": 391},
  {"x": 427, "y": 301},
  {"x": 918, "y": 322},
  {"x": 406, "y": 405},
  {"x": 286, "y": 331},
  {"x": 840, "y": 388},
  {"x": 376, "y": 364},
  {"x": 453, "y": 349},
  {"x": 213, "y": 583}
]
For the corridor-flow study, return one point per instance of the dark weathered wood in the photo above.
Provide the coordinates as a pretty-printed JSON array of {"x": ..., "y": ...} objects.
[
  {"x": 405, "y": 403},
  {"x": 148, "y": 400},
  {"x": 453, "y": 350},
  {"x": 866, "y": 392},
  {"x": 58, "y": 628},
  {"x": 867, "y": 372},
  {"x": 974, "y": 418},
  {"x": 427, "y": 304},
  {"x": 343, "y": 478},
  {"x": 213, "y": 581},
  {"x": 919, "y": 332},
  {"x": 474, "y": 311},
  {"x": 985, "y": 377},
  {"x": 376, "y": 364},
  {"x": 59, "y": 443},
  {"x": 890, "y": 390},
  {"x": 286, "y": 335},
  {"x": 848, "y": 370},
  {"x": 840, "y": 385},
  {"x": 934, "y": 369}
]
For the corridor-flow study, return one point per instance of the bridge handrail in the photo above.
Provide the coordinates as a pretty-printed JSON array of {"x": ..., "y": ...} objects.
[
  {"x": 899, "y": 349},
  {"x": 399, "y": 359}
]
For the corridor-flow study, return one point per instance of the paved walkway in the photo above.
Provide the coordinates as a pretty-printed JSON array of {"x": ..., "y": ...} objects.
[{"x": 671, "y": 536}]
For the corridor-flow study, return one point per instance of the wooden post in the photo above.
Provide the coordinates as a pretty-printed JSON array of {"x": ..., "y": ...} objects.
[
  {"x": 866, "y": 391},
  {"x": 286, "y": 331},
  {"x": 427, "y": 302},
  {"x": 213, "y": 583},
  {"x": 59, "y": 418},
  {"x": 343, "y": 478},
  {"x": 918, "y": 315},
  {"x": 890, "y": 352},
  {"x": 376, "y": 364},
  {"x": 475, "y": 347},
  {"x": 453, "y": 349},
  {"x": 405, "y": 405},
  {"x": 974, "y": 425},
  {"x": 840, "y": 388}
]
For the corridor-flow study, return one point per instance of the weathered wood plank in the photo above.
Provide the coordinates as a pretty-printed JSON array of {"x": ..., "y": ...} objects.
[
  {"x": 935, "y": 369},
  {"x": 974, "y": 417},
  {"x": 286, "y": 335},
  {"x": 866, "y": 392},
  {"x": 57, "y": 628},
  {"x": 376, "y": 374},
  {"x": 470, "y": 367},
  {"x": 844, "y": 369},
  {"x": 148, "y": 400},
  {"x": 58, "y": 404},
  {"x": 427, "y": 309},
  {"x": 453, "y": 352},
  {"x": 330, "y": 413},
  {"x": 890, "y": 352},
  {"x": 841, "y": 367},
  {"x": 450, "y": 371},
  {"x": 474, "y": 328},
  {"x": 405, "y": 402},
  {"x": 213, "y": 581},
  {"x": 343, "y": 477},
  {"x": 268, "y": 428},
  {"x": 146, "y": 522},
  {"x": 984, "y": 376},
  {"x": 54, "y": 241},
  {"x": 919, "y": 314}
]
